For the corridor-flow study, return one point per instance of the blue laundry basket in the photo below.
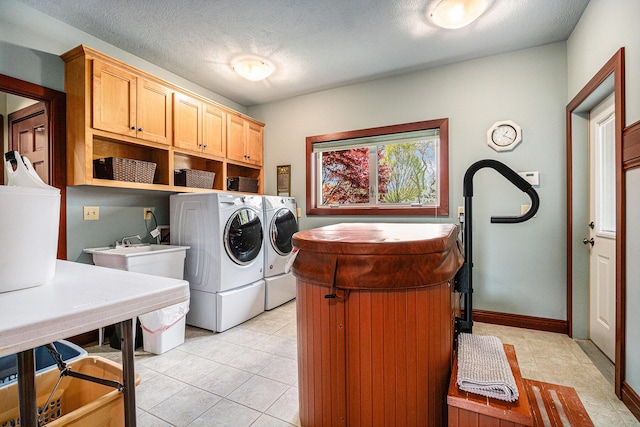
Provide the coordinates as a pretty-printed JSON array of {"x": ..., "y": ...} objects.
[{"x": 44, "y": 361}]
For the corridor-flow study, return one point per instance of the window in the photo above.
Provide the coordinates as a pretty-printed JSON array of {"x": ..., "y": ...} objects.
[
  {"x": 392, "y": 170},
  {"x": 606, "y": 176}
]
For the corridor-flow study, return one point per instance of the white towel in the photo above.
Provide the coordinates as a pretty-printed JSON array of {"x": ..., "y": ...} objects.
[{"x": 483, "y": 368}]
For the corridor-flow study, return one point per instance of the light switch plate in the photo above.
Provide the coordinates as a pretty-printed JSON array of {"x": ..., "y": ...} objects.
[{"x": 91, "y": 213}]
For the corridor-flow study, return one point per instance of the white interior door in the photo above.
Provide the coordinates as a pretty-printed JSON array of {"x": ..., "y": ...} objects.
[{"x": 601, "y": 240}]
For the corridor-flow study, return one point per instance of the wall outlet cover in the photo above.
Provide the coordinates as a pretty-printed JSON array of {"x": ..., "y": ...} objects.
[{"x": 91, "y": 213}]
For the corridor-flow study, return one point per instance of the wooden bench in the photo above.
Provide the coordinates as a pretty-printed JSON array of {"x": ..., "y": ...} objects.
[
  {"x": 538, "y": 404},
  {"x": 469, "y": 410}
]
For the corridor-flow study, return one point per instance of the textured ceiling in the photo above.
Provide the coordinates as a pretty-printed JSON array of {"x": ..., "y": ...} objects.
[{"x": 314, "y": 44}]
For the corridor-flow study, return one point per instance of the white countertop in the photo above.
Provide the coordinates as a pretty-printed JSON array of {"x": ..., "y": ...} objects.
[{"x": 80, "y": 298}]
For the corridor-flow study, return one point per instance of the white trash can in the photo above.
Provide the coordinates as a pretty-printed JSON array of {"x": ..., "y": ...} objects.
[{"x": 163, "y": 329}]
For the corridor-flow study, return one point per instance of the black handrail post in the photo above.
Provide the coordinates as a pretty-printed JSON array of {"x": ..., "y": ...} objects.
[{"x": 464, "y": 278}]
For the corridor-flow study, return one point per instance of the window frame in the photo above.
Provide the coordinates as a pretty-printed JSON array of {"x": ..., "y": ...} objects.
[{"x": 443, "y": 176}]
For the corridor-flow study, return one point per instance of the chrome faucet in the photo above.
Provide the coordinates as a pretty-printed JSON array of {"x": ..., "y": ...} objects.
[{"x": 126, "y": 241}]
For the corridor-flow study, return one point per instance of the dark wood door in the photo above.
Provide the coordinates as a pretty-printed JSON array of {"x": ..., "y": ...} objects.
[{"x": 29, "y": 135}]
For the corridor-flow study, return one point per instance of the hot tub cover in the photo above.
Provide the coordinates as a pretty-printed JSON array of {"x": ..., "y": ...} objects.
[{"x": 377, "y": 255}]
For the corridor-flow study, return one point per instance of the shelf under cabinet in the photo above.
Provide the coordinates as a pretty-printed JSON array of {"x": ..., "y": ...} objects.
[
  {"x": 185, "y": 161},
  {"x": 103, "y": 148}
]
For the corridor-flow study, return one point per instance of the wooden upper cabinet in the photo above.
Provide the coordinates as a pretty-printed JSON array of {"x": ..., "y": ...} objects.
[
  {"x": 129, "y": 105},
  {"x": 116, "y": 110},
  {"x": 235, "y": 138},
  {"x": 153, "y": 116},
  {"x": 254, "y": 146},
  {"x": 187, "y": 122},
  {"x": 214, "y": 130},
  {"x": 114, "y": 99},
  {"x": 244, "y": 140},
  {"x": 199, "y": 126}
]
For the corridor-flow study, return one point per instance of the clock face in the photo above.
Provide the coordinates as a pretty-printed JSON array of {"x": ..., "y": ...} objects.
[{"x": 504, "y": 135}]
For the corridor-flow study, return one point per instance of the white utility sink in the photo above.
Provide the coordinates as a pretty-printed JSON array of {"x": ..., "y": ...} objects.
[{"x": 158, "y": 260}]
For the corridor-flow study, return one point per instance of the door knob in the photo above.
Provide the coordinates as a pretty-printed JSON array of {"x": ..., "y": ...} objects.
[{"x": 590, "y": 241}]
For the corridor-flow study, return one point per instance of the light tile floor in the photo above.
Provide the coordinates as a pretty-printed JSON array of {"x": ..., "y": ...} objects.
[
  {"x": 247, "y": 376},
  {"x": 558, "y": 359}
]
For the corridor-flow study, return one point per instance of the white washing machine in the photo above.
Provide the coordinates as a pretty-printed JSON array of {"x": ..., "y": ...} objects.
[
  {"x": 280, "y": 223},
  {"x": 224, "y": 265}
]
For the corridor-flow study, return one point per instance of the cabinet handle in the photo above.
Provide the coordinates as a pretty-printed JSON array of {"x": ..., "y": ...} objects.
[
  {"x": 133, "y": 128},
  {"x": 199, "y": 145},
  {"x": 205, "y": 145},
  {"x": 139, "y": 129}
]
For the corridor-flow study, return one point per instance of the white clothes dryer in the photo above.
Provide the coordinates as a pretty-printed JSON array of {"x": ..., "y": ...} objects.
[
  {"x": 280, "y": 223},
  {"x": 224, "y": 265}
]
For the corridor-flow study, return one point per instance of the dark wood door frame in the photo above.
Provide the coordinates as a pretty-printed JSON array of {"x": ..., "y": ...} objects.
[
  {"x": 21, "y": 122},
  {"x": 615, "y": 67},
  {"x": 55, "y": 105}
]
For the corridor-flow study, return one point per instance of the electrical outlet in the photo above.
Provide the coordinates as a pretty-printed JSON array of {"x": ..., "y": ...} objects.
[
  {"x": 524, "y": 209},
  {"x": 147, "y": 213},
  {"x": 460, "y": 210},
  {"x": 91, "y": 213}
]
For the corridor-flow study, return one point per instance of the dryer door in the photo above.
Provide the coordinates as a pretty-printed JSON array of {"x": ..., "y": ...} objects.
[
  {"x": 282, "y": 227},
  {"x": 243, "y": 236}
]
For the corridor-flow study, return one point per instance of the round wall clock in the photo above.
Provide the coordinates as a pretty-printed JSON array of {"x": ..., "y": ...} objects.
[{"x": 504, "y": 135}]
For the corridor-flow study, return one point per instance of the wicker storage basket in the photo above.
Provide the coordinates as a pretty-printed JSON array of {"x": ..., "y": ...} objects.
[
  {"x": 76, "y": 402},
  {"x": 241, "y": 183},
  {"x": 194, "y": 178},
  {"x": 119, "y": 169}
]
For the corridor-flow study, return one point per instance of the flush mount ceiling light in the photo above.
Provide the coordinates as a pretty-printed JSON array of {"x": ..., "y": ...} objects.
[
  {"x": 252, "y": 68},
  {"x": 454, "y": 14}
]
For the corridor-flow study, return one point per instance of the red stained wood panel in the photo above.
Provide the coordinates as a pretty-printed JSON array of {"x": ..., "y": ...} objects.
[
  {"x": 321, "y": 358},
  {"x": 374, "y": 358},
  {"x": 631, "y": 146}
]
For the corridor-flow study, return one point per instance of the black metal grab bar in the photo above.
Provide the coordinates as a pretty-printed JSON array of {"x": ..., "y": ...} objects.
[{"x": 464, "y": 278}]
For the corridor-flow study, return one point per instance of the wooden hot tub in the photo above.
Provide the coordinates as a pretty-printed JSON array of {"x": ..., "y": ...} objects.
[{"x": 375, "y": 323}]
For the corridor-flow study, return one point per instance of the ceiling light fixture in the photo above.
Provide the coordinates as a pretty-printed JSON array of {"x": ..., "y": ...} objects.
[
  {"x": 454, "y": 14},
  {"x": 252, "y": 68}
]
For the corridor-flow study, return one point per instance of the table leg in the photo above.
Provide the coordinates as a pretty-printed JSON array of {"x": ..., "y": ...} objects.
[
  {"x": 128, "y": 373},
  {"x": 27, "y": 388}
]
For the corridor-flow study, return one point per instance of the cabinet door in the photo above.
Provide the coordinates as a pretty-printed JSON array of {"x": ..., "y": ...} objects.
[
  {"x": 187, "y": 122},
  {"x": 214, "y": 131},
  {"x": 114, "y": 99},
  {"x": 235, "y": 138},
  {"x": 254, "y": 143},
  {"x": 153, "y": 118}
]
